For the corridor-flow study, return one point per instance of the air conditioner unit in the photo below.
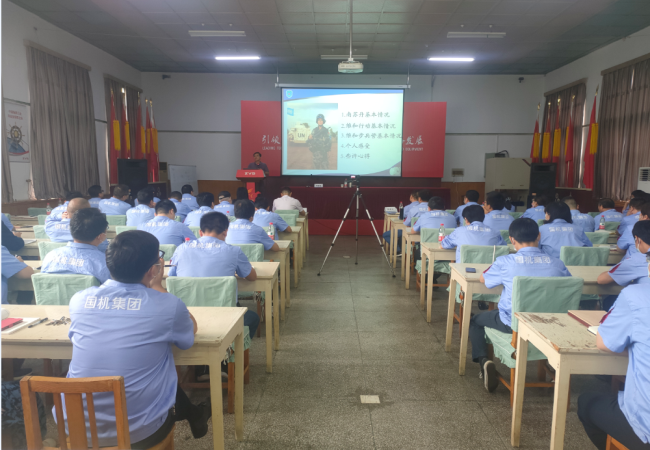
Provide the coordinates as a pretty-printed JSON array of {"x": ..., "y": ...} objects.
[{"x": 644, "y": 179}]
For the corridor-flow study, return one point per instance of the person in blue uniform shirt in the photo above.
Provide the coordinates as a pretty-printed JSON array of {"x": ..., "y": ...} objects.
[
  {"x": 57, "y": 212},
  {"x": 152, "y": 190},
  {"x": 165, "y": 228},
  {"x": 210, "y": 256},
  {"x": 116, "y": 205},
  {"x": 182, "y": 209},
  {"x": 606, "y": 210},
  {"x": 558, "y": 230},
  {"x": 584, "y": 221},
  {"x": 12, "y": 266},
  {"x": 142, "y": 213},
  {"x": 244, "y": 231},
  {"x": 96, "y": 194},
  {"x": 529, "y": 261},
  {"x": 495, "y": 216},
  {"x": 471, "y": 198},
  {"x": 435, "y": 216},
  {"x": 206, "y": 203},
  {"x": 632, "y": 216},
  {"x": 264, "y": 216},
  {"x": 59, "y": 231},
  {"x": 626, "y": 243},
  {"x": 188, "y": 197},
  {"x": 636, "y": 193},
  {"x": 7, "y": 222},
  {"x": 413, "y": 198},
  {"x": 11, "y": 239},
  {"x": 475, "y": 232},
  {"x": 415, "y": 195},
  {"x": 536, "y": 212},
  {"x": 624, "y": 415},
  {"x": 127, "y": 327},
  {"x": 82, "y": 257},
  {"x": 422, "y": 207},
  {"x": 225, "y": 205}
]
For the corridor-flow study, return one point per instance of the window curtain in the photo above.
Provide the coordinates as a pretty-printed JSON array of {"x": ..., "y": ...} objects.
[
  {"x": 566, "y": 96},
  {"x": 7, "y": 188},
  {"x": 64, "y": 147},
  {"x": 624, "y": 130}
]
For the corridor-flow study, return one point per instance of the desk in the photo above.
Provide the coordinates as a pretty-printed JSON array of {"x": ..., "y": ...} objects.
[
  {"x": 408, "y": 238},
  {"x": 285, "y": 273},
  {"x": 18, "y": 221},
  {"x": 396, "y": 225},
  {"x": 386, "y": 228},
  {"x": 303, "y": 238},
  {"x": 218, "y": 328},
  {"x": 571, "y": 350},
  {"x": 295, "y": 237},
  {"x": 28, "y": 232},
  {"x": 433, "y": 252},
  {"x": 471, "y": 284},
  {"x": 30, "y": 249},
  {"x": 304, "y": 221}
]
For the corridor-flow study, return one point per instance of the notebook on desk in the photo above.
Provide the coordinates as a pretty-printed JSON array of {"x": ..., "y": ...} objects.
[
  {"x": 29, "y": 241},
  {"x": 591, "y": 319}
]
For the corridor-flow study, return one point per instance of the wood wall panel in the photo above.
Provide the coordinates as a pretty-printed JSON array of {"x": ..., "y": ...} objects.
[{"x": 458, "y": 190}]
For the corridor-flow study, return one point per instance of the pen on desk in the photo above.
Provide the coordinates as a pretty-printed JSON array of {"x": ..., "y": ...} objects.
[{"x": 37, "y": 323}]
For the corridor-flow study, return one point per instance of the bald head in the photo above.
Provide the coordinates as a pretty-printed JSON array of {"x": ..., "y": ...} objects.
[{"x": 76, "y": 204}]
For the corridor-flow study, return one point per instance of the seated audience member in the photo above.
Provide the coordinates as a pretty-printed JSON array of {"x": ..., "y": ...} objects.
[
  {"x": 57, "y": 212},
  {"x": 413, "y": 198},
  {"x": 243, "y": 231},
  {"x": 637, "y": 193},
  {"x": 537, "y": 211},
  {"x": 475, "y": 232},
  {"x": 116, "y": 205},
  {"x": 508, "y": 206},
  {"x": 584, "y": 221},
  {"x": 12, "y": 266},
  {"x": 558, "y": 230},
  {"x": 422, "y": 207},
  {"x": 60, "y": 231},
  {"x": 263, "y": 216},
  {"x": 11, "y": 239},
  {"x": 529, "y": 261},
  {"x": 606, "y": 209},
  {"x": 96, "y": 194},
  {"x": 188, "y": 197},
  {"x": 471, "y": 198},
  {"x": 127, "y": 327},
  {"x": 632, "y": 216},
  {"x": 286, "y": 201},
  {"x": 151, "y": 190},
  {"x": 626, "y": 243},
  {"x": 435, "y": 216},
  {"x": 495, "y": 215},
  {"x": 624, "y": 415},
  {"x": 7, "y": 222},
  {"x": 242, "y": 193},
  {"x": 81, "y": 257},
  {"x": 225, "y": 205},
  {"x": 210, "y": 256},
  {"x": 205, "y": 201},
  {"x": 182, "y": 209},
  {"x": 142, "y": 213},
  {"x": 165, "y": 228}
]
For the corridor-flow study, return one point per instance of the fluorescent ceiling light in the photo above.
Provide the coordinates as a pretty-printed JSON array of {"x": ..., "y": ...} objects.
[
  {"x": 235, "y": 58},
  {"x": 208, "y": 33},
  {"x": 475, "y": 35},
  {"x": 342, "y": 57},
  {"x": 452, "y": 59}
]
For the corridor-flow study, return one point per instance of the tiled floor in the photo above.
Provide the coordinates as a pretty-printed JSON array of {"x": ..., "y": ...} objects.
[{"x": 356, "y": 331}]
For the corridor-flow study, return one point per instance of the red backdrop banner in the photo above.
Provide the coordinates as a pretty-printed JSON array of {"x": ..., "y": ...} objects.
[{"x": 423, "y": 137}]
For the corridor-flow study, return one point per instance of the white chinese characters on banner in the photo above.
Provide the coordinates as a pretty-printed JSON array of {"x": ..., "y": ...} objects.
[{"x": 16, "y": 132}]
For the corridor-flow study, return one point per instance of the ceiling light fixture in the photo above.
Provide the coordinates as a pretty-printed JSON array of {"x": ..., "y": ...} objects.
[
  {"x": 451, "y": 59},
  {"x": 235, "y": 58},
  {"x": 340, "y": 57},
  {"x": 475, "y": 35},
  {"x": 209, "y": 33}
]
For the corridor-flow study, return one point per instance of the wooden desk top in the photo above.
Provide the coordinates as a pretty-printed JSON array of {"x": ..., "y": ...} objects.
[
  {"x": 283, "y": 244},
  {"x": 294, "y": 229},
  {"x": 588, "y": 273}
]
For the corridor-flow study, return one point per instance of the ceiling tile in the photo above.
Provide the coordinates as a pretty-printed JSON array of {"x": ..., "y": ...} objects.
[
  {"x": 398, "y": 17},
  {"x": 440, "y": 6},
  {"x": 332, "y": 29},
  {"x": 187, "y": 6},
  {"x": 294, "y": 5},
  {"x": 299, "y": 18},
  {"x": 511, "y": 7},
  {"x": 193, "y": 18},
  {"x": 531, "y": 20},
  {"x": 301, "y": 37},
  {"x": 548, "y": 8},
  {"x": 331, "y": 17},
  {"x": 366, "y": 18},
  {"x": 164, "y": 17},
  {"x": 324, "y": 38},
  {"x": 392, "y": 28},
  {"x": 222, "y": 6},
  {"x": 231, "y": 18},
  {"x": 475, "y": 7},
  {"x": 465, "y": 19},
  {"x": 402, "y": 5},
  {"x": 299, "y": 28},
  {"x": 432, "y": 19},
  {"x": 258, "y": 6},
  {"x": 331, "y": 6},
  {"x": 390, "y": 37},
  {"x": 271, "y": 17},
  {"x": 268, "y": 28},
  {"x": 272, "y": 37},
  {"x": 500, "y": 19},
  {"x": 367, "y": 5}
]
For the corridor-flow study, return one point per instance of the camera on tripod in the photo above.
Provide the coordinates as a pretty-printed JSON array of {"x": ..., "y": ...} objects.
[{"x": 354, "y": 180}]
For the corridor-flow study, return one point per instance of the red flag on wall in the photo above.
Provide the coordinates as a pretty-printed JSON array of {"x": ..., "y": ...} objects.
[
  {"x": 148, "y": 140},
  {"x": 546, "y": 138},
  {"x": 139, "y": 133},
  {"x": 113, "y": 143},
  {"x": 557, "y": 137},
  {"x": 568, "y": 150},
  {"x": 534, "y": 149},
  {"x": 126, "y": 133},
  {"x": 154, "y": 146},
  {"x": 590, "y": 148}
]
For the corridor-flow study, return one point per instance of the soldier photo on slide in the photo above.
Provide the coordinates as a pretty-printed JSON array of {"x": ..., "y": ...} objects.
[
  {"x": 320, "y": 143},
  {"x": 313, "y": 148}
]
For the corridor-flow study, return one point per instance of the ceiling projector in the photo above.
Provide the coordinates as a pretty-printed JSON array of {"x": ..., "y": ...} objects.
[{"x": 350, "y": 66}]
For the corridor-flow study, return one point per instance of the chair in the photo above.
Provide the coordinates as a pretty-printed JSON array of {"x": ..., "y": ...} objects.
[
  {"x": 196, "y": 231},
  {"x": 593, "y": 214},
  {"x": 254, "y": 253},
  {"x": 231, "y": 218},
  {"x": 58, "y": 289},
  {"x": 289, "y": 218},
  {"x": 295, "y": 212},
  {"x": 431, "y": 235},
  {"x": 451, "y": 211},
  {"x": 122, "y": 228},
  {"x": 45, "y": 247},
  {"x": 585, "y": 256},
  {"x": 33, "y": 212},
  {"x": 611, "y": 226},
  {"x": 169, "y": 250},
  {"x": 41, "y": 219},
  {"x": 540, "y": 222},
  {"x": 613, "y": 444},
  {"x": 533, "y": 294},
  {"x": 505, "y": 235},
  {"x": 515, "y": 215},
  {"x": 211, "y": 292},
  {"x": 597, "y": 237},
  {"x": 178, "y": 219},
  {"x": 39, "y": 232},
  {"x": 116, "y": 220}
]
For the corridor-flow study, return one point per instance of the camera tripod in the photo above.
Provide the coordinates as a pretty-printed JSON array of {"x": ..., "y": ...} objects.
[{"x": 358, "y": 196}]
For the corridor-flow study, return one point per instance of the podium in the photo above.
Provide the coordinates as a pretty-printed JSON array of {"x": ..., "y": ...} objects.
[{"x": 250, "y": 177}]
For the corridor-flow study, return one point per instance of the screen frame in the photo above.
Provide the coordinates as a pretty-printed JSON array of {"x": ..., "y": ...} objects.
[{"x": 388, "y": 88}]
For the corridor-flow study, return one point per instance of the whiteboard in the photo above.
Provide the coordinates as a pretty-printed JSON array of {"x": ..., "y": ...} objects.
[{"x": 182, "y": 175}]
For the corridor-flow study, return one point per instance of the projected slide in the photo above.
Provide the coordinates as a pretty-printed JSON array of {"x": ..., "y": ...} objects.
[{"x": 342, "y": 131}]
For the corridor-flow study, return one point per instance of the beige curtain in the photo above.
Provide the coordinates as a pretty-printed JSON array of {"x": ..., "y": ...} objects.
[
  {"x": 576, "y": 93},
  {"x": 64, "y": 148},
  {"x": 624, "y": 135},
  {"x": 7, "y": 189}
]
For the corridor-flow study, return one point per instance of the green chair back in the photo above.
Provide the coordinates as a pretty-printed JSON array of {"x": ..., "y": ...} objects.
[
  {"x": 540, "y": 222},
  {"x": 45, "y": 247},
  {"x": 482, "y": 254},
  {"x": 36, "y": 212},
  {"x": 505, "y": 235},
  {"x": 597, "y": 237},
  {"x": 431, "y": 234},
  {"x": 178, "y": 219},
  {"x": 196, "y": 231},
  {"x": 231, "y": 218},
  {"x": 122, "y": 228},
  {"x": 593, "y": 214},
  {"x": 169, "y": 250},
  {"x": 58, "y": 289},
  {"x": 289, "y": 218},
  {"x": 611, "y": 226},
  {"x": 116, "y": 220},
  {"x": 451, "y": 211},
  {"x": 584, "y": 256},
  {"x": 254, "y": 252},
  {"x": 210, "y": 291},
  {"x": 295, "y": 212},
  {"x": 41, "y": 219},
  {"x": 515, "y": 215},
  {"x": 39, "y": 232}
]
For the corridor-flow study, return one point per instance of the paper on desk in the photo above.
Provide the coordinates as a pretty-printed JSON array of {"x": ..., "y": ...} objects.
[
  {"x": 26, "y": 321},
  {"x": 593, "y": 330},
  {"x": 29, "y": 241}
]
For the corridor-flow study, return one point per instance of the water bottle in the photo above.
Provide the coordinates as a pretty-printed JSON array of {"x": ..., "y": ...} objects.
[
  {"x": 601, "y": 226},
  {"x": 401, "y": 211},
  {"x": 271, "y": 231},
  {"x": 441, "y": 232},
  {"x": 187, "y": 240},
  {"x": 345, "y": 183},
  {"x": 60, "y": 202},
  {"x": 48, "y": 209}
]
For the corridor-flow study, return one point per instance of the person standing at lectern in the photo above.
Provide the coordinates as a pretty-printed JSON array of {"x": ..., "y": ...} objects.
[
  {"x": 258, "y": 164},
  {"x": 320, "y": 143}
]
